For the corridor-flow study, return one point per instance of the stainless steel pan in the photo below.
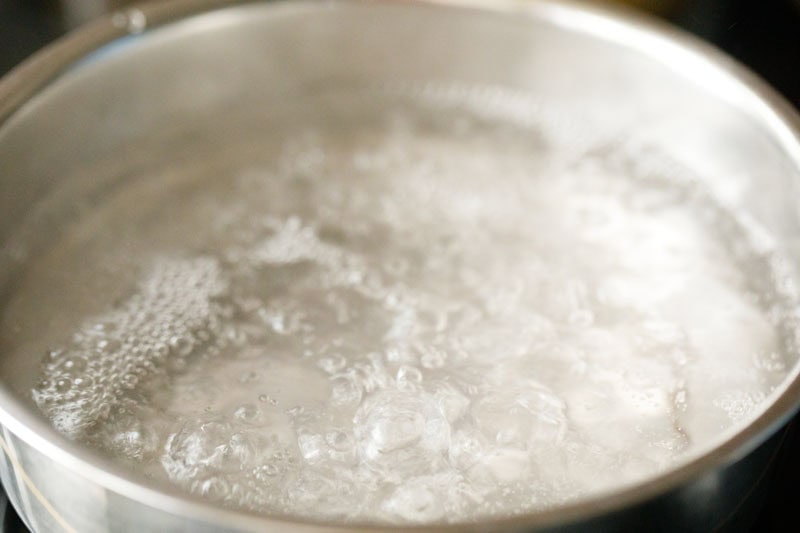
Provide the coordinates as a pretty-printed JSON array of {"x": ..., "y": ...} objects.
[{"x": 151, "y": 87}]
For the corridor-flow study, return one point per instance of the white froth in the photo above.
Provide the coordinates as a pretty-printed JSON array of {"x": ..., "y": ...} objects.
[{"x": 162, "y": 323}]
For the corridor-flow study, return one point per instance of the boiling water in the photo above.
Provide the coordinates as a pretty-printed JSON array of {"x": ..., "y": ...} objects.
[{"x": 437, "y": 309}]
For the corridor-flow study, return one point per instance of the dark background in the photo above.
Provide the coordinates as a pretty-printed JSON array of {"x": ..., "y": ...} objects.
[{"x": 762, "y": 34}]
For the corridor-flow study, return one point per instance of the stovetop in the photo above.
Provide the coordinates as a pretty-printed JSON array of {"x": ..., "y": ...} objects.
[
  {"x": 764, "y": 35},
  {"x": 10, "y": 521}
]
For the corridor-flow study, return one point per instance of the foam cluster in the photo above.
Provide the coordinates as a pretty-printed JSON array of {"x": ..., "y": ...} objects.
[{"x": 171, "y": 314}]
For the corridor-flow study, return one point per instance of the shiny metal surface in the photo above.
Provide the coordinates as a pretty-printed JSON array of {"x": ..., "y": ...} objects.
[{"x": 171, "y": 82}]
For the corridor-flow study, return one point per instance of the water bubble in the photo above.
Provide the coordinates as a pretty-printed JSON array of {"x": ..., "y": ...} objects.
[
  {"x": 63, "y": 384},
  {"x": 465, "y": 449},
  {"x": 181, "y": 345},
  {"x": 503, "y": 465},
  {"x": 129, "y": 381},
  {"x": 345, "y": 391},
  {"x": 312, "y": 447},
  {"x": 160, "y": 351},
  {"x": 521, "y": 418},
  {"x": 74, "y": 364},
  {"x": 453, "y": 403},
  {"x": 398, "y": 433},
  {"x": 264, "y": 472},
  {"x": 333, "y": 364},
  {"x": 339, "y": 440},
  {"x": 408, "y": 377},
  {"x": 213, "y": 489},
  {"x": 432, "y": 357},
  {"x": 770, "y": 361},
  {"x": 247, "y": 413},
  {"x": 416, "y": 502}
]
